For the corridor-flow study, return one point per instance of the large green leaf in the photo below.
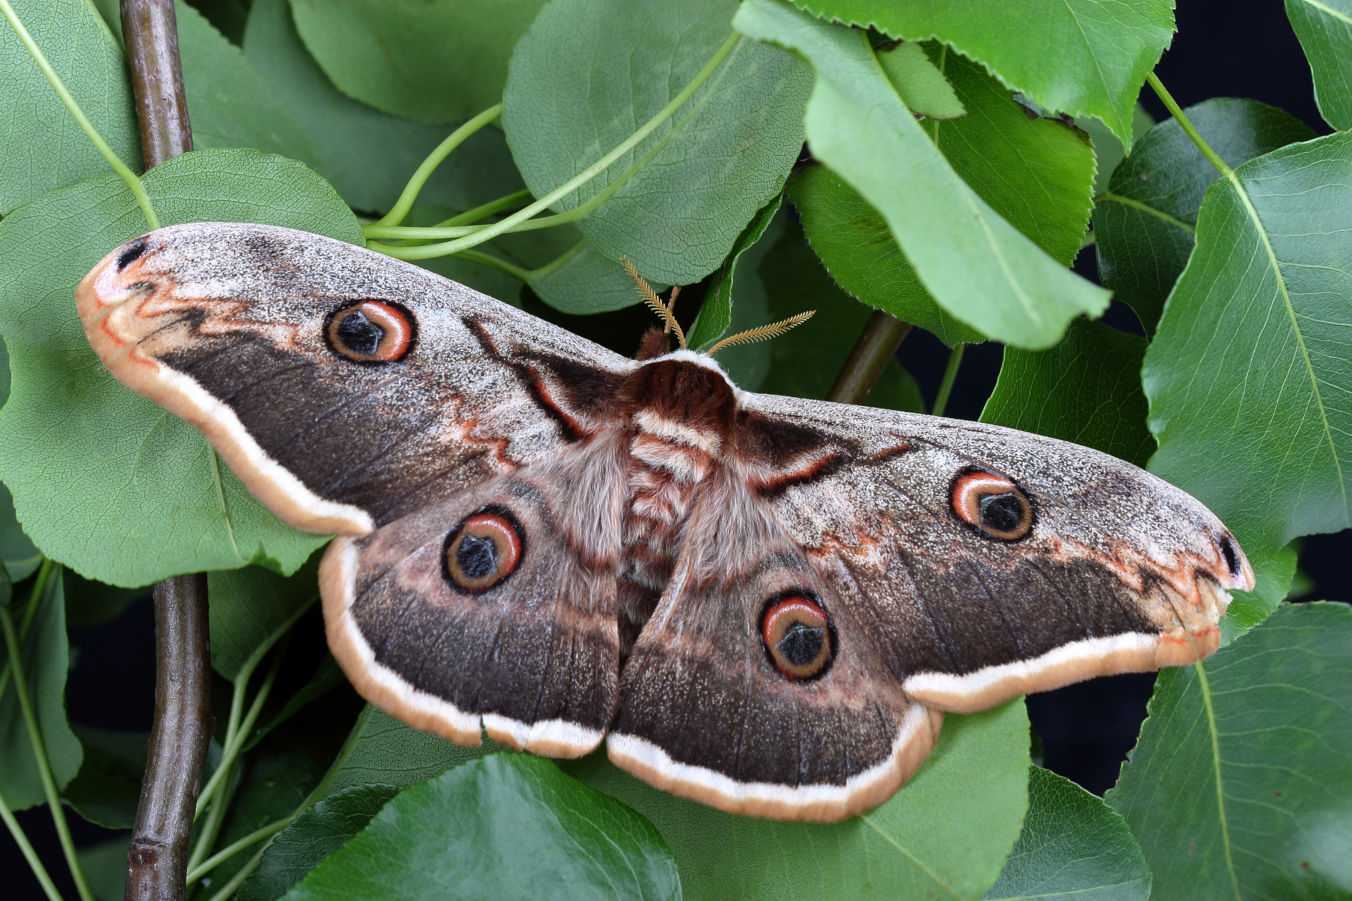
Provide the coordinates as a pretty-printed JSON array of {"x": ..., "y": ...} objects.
[
  {"x": 46, "y": 658},
  {"x": 1249, "y": 377},
  {"x": 715, "y": 312},
  {"x": 314, "y": 835},
  {"x": 1241, "y": 784},
  {"x": 434, "y": 62},
  {"x": 975, "y": 265},
  {"x": 1035, "y": 172},
  {"x": 944, "y": 835},
  {"x": 503, "y": 826},
  {"x": 702, "y": 174},
  {"x": 102, "y": 478},
  {"x": 17, "y": 553},
  {"x": 367, "y": 154},
  {"x": 41, "y": 147},
  {"x": 230, "y": 103},
  {"x": 1073, "y": 846},
  {"x": 1083, "y": 57},
  {"x": 1145, "y": 220},
  {"x": 382, "y": 749},
  {"x": 1087, "y": 390},
  {"x": 1325, "y": 31}
]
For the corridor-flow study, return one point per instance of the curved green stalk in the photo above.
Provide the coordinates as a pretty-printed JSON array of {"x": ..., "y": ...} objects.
[
  {"x": 235, "y": 847},
  {"x": 434, "y": 159},
  {"x": 487, "y": 259},
  {"x": 40, "y": 755},
  {"x": 950, "y": 375},
  {"x": 1177, "y": 112},
  {"x": 453, "y": 227},
  {"x": 138, "y": 190},
  {"x": 35, "y": 598},
  {"x": 428, "y": 251},
  {"x": 34, "y": 862}
]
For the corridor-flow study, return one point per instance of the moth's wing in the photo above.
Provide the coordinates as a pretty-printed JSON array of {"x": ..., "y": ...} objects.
[
  {"x": 531, "y": 650},
  {"x": 229, "y": 326},
  {"x": 706, "y": 713},
  {"x": 1118, "y": 571}
]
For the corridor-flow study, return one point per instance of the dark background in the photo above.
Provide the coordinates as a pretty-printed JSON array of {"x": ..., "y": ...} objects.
[{"x": 1222, "y": 49}]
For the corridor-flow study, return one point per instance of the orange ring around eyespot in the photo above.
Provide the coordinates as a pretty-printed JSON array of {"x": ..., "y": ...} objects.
[
  {"x": 496, "y": 526},
  {"x": 972, "y": 488},
  {"x": 394, "y": 322},
  {"x": 781, "y": 614}
]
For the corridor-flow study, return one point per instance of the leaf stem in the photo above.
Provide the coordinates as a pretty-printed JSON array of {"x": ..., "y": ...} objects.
[
  {"x": 1181, "y": 118},
  {"x": 133, "y": 182},
  {"x": 427, "y": 251},
  {"x": 39, "y": 586},
  {"x": 434, "y": 159},
  {"x": 450, "y": 228},
  {"x": 235, "y": 742},
  {"x": 230, "y": 850},
  {"x": 34, "y": 862},
  {"x": 40, "y": 755},
  {"x": 946, "y": 384},
  {"x": 487, "y": 259}
]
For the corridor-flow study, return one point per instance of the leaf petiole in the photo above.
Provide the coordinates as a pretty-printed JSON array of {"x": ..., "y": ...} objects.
[
  {"x": 34, "y": 862},
  {"x": 40, "y": 754},
  {"x": 950, "y": 376},
  {"x": 456, "y": 245},
  {"x": 434, "y": 159},
  {"x": 1177, "y": 112},
  {"x": 138, "y": 190}
]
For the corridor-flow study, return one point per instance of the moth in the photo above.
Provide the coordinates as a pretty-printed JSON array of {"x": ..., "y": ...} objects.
[{"x": 762, "y": 603}]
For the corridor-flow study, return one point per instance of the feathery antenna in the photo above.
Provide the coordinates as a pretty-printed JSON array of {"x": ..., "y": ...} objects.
[
  {"x": 762, "y": 332},
  {"x": 652, "y": 300}
]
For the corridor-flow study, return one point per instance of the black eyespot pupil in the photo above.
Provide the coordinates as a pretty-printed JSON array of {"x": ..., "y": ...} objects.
[
  {"x": 359, "y": 334},
  {"x": 801, "y": 644},
  {"x": 1001, "y": 512},
  {"x": 477, "y": 557}
]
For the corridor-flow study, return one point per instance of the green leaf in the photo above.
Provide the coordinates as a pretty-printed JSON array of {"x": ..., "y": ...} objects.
[
  {"x": 584, "y": 280},
  {"x": 434, "y": 62},
  {"x": 1035, "y": 172},
  {"x": 502, "y": 826},
  {"x": 314, "y": 835},
  {"x": 41, "y": 147},
  {"x": 102, "y": 478},
  {"x": 230, "y": 103},
  {"x": 367, "y": 154},
  {"x": 107, "y": 789},
  {"x": 715, "y": 312},
  {"x": 1082, "y": 57},
  {"x": 921, "y": 84},
  {"x": 1108, "y": 150},
  {"x": 17, "y": 551},
  {"x": 46, "y": 659},
  {"x": 944, "y": 835},
  {"x": 1087, "y": 390},
  {"x": 1239, "y": 786},
  {"x": 1073, "y": 845},
  {"x": 976, "y": 265},
  {"x": 251, "y": 608},
  {"x": 1324, "y": 28},
  {"x": 1249, "y": 376},
  {"x": 854, "y": 244},
  {"x": 700, "y": 177},
  {"x": 1145, "y": 220},
  {"x": 778, "y": 277},
  {"x": 382, "y": 749}
]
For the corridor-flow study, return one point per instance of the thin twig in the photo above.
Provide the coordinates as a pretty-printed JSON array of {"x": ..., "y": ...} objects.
[
  {"x": 877, "y": 343},
  {"x": 157, "y": 862}
]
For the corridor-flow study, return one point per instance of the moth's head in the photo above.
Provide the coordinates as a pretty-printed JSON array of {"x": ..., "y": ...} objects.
[{"x": 657, "y": 342}]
